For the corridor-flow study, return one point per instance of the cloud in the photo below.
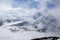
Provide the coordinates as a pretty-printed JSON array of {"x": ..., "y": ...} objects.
[
  {"x": 7, "y": 11},
  {"x": 25, "y": 8}
]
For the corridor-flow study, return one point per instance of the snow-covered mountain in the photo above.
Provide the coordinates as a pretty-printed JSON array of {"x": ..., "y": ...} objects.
[
  {"x": 37, "y": 20},
  {"x": 29, "y": 18},
  {"x": 40, "y": 22}
]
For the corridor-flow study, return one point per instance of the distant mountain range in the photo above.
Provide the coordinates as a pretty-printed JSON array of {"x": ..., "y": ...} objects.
[{"x": 41, "y": 23}]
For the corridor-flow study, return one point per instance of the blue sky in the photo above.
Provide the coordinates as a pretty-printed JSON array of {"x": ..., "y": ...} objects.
[
  {"x": 28, "y": 3},
  {"x": 33, "y": 4}
]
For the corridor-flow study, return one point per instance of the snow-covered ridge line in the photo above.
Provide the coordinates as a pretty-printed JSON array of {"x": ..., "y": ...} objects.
[{"x": 12, "y": 23}]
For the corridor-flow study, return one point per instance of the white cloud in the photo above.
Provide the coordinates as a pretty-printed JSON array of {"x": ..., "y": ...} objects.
[{"x": 7, "y": 8}]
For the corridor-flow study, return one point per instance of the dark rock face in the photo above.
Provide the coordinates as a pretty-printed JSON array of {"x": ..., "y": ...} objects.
[
  {"x": 36, "y": 39},
  {"x": 37, "y": 15},
  {"x": 1, "y": 23},
  {"x": 47, "y": 38}
]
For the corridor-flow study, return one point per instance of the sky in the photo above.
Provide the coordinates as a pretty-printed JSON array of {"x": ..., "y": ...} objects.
[
  {"x": 8, "y": 5},
  {"x": 27, "y": 8}
]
